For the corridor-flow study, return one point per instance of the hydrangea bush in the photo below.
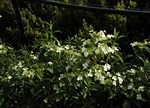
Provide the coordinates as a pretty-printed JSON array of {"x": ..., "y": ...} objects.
[{"x": 88, "y": 70}]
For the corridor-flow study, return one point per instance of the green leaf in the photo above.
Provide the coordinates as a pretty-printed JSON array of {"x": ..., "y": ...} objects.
[
  {"x": 119, "y": 57},
  {"x": 147, "y": 49},
  {"x": 121, "y": 36},
  {"x": 39, "y": 74}
]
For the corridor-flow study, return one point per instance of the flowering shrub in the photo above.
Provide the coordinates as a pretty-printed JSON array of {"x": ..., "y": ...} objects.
[{"x": 87, "y": 70}]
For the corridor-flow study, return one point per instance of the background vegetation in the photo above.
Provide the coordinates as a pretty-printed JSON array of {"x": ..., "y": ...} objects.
[{"x": 101, "y": 61}]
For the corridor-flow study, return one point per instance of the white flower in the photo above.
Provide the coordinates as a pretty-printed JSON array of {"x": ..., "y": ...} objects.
[
  {"x": 108, "y": 73},
  {"x": 114, "y": 83},
  {"x": 107, "y": 67},
  {"x": 102, "y": 35},
  {"x": 86, "y": 53},
  {"x": 67, "y": 47},
  {"x": 20, "y": 64},
  {"x": 130, "y": 87},
  {"x": 61, "y": 84},
  {"x": 1, "y": 46},
  {"x": 50, "y": 63},
  {"x": 104, "y": 49},
  {"x": 110, "y": 36},
  {"x": 59, "y": 49},
  {"x": 67, "y": 68},
  {"x": 134, "y": 44},
  {"x": 90, "y": 74},
  {"x": 85, "y": 65},
  {"x": 114, "y": 78},
  {"x": 97, "y": 40},
  {"x": 141, "y": 88},
  {"x": 0, "y": 16},
  {"x": 99, "y": 76},
  {"x": 9, "y": 77},
  {"x": 61, "y": 76},
  {"x": 45, "y": 100},
  {"x": 139, "y": 97},
  {"x": 25, "y": 69},
  {"x": 15, "y": 67},
  {"x": 141, "y": 69},
  {"x": 115, "y": 48},
  {"x": 99, "y": 45},
  {"x": 73, "y": 58},
  {"x": 132, "y": 71},
  {"x": 79, "y": 78},
  {"x": 34, "y": 57},
  {"x": 120, "y": 80},
  {"x": 118, "y": 74},
  {"x": 96, "y": 51},
  {"x": 84, "y": 43},
  {"x": 27, "y": 73},
  {"x": 110, "y": 50}
]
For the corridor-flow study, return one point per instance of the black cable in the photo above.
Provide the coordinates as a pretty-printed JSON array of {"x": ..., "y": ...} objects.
[{"x": 95, "y": 9}]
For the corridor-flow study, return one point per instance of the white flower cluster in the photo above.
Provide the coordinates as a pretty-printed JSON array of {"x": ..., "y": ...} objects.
[
  {"x": 90, "y": 74},
  {"x": 134, "y": 44},
  {"x": 107, "y": 67},
  {"x": 107, "y": 49},
  {"x": 19, "y": 65},
  {"x": 33, "y": 56},
  {"x": 50, "y": 63},
  {"x": 59, "y": 49},
  {"x": 1, "y": 47},
  {"x": 9, "y": 77},
  {"x": 139, "y": 97},
  {"x": 117, "y": 79},
  {"x": 101, "y": 73},
  {"x": 86, "y": 64},
  {"x": 99, "y": 76},
  {"x": 140, "y": 89},
  {"x": 97, "y": 43},
  {"x": 140, "y": 43},
  {"x": 79, "y": 78},
  {"x": 28, "y": 73},
  {"x": 131, "y": 71},
  {"x": 100, "y": 36},
  {"x": 130, "y": 86},
  {"x": 67, "y": 47}
]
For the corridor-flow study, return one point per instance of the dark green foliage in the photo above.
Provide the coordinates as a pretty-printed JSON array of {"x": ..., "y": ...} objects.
[{"x": 69, "y": 21}]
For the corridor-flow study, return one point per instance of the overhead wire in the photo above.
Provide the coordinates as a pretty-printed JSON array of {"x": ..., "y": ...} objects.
[{"x": 95, "y": 8}]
